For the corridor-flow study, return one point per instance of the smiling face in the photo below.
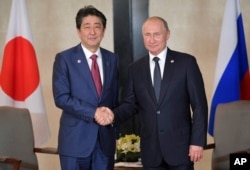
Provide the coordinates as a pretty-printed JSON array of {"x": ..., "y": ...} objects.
[
  {"x": 91, "y": 32},
  {"x": 155, "y": 35}
]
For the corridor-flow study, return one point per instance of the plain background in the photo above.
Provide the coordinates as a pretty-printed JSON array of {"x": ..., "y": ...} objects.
[{"x": 195, "y": 28}]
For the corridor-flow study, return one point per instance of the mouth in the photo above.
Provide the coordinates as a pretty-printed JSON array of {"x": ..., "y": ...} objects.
[
  {"x": 152, "y": 46},
  {"x": 92, "y": 38}
]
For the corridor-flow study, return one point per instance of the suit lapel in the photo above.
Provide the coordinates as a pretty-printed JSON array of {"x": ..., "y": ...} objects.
[
  {"x": 106, "y": 70},
  {"x": 80, "y": 59},
  {"x": 167, "y": 75},
  {"x": 146, "y": 75}
]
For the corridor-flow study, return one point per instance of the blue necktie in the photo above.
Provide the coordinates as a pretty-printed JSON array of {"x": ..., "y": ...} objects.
[{"x": 157, "y": 78}]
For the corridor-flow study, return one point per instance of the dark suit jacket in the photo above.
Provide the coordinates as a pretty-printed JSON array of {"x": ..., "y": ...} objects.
[
  {"x": 74, "y": 92},
  {"x": 167, "y": 127}
]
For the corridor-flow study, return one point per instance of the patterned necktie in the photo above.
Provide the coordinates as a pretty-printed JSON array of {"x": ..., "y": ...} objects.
[
  {"x": 96, "y": 74},
  {"x": 157, "y": 78}
]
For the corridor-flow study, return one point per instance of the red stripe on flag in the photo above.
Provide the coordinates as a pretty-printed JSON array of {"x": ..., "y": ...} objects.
[
  {"x": 245, "y": 87},
  {"x": 20, "y": 75}
]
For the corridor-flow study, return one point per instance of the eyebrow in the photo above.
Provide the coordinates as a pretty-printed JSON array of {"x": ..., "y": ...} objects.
[{"x": 97, "y": 23}]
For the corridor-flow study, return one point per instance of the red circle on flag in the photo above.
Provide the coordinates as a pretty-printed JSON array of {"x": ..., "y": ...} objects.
[{"x": 20, "y": 75}]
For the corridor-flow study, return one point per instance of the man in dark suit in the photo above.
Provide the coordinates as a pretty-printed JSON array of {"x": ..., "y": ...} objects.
[
  {"x": 173, "y": 124},
  {"x": 85, "y": 77}
]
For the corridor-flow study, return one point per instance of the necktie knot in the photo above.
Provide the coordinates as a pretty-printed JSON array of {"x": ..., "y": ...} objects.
[
  {"x": 93, "y": 57},
  {"x": 156, "y": 59}
]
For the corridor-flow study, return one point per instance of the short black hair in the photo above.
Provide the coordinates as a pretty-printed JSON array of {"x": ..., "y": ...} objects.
[{"x": 89, "y": 10}]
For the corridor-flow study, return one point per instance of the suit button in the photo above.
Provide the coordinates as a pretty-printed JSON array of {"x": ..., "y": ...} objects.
[{"x": 158, "y": 112}]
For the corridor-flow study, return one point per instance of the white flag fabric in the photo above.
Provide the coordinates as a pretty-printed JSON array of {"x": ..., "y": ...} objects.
[{"x": 19, "y": 77}]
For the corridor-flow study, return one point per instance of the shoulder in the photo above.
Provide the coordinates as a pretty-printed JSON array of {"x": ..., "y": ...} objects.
[
  {"x": 181, "y": 58},
  {"x": 180, "y": 55},
  {"x": 104, "y": 50},
  {"x": 138, "y": 66},
  {"x": 107, "y": 52},
  {"x": 140, "y": 62},
  {"x": 69, "y": 51}
]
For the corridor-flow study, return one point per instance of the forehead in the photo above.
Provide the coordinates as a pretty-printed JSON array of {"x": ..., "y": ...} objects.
[
  {"x": 91, "y": 19},
  {"x": 154, "y": 25}
]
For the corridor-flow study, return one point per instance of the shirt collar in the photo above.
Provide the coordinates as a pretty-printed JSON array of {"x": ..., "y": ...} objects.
[
  {"x": 88, "y": 53},
  {"x": 162, "y": 55}
]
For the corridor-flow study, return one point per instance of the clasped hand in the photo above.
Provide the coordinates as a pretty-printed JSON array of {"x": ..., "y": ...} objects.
[{"x": 104, "y": 116}]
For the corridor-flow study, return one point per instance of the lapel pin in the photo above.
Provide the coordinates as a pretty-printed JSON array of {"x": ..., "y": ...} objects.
[
  {"x": 79, "y": 61},
  {"x": 172, "y": 61}
]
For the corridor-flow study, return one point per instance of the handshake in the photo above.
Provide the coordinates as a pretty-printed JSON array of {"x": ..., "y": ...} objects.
[{"x": 104, "y": 116}]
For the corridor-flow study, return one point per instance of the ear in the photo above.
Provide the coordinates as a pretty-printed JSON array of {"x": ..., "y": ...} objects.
[
  {"x": 168, "y": 34},
  {"x": 78, "y": 32}
]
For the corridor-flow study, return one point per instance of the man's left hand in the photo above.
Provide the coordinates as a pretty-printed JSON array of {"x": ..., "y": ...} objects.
[{"x": 195, "y": 153}]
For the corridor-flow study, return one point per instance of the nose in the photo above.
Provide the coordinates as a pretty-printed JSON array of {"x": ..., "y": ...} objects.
[
  {"x": 151, "y": 39},
  {"x": 92, "y": 30}
]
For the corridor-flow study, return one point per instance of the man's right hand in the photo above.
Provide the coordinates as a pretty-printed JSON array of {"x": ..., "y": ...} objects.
[{"x": 104, "y": 116}]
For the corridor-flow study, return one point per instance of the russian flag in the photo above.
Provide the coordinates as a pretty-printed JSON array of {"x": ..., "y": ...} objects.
[
  {"x": 232, "y": 77},
  {"x": 19, "y": 79}
]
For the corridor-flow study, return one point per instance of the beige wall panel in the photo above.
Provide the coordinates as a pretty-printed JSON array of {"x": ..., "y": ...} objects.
[{"x": 195, "y": 28}]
